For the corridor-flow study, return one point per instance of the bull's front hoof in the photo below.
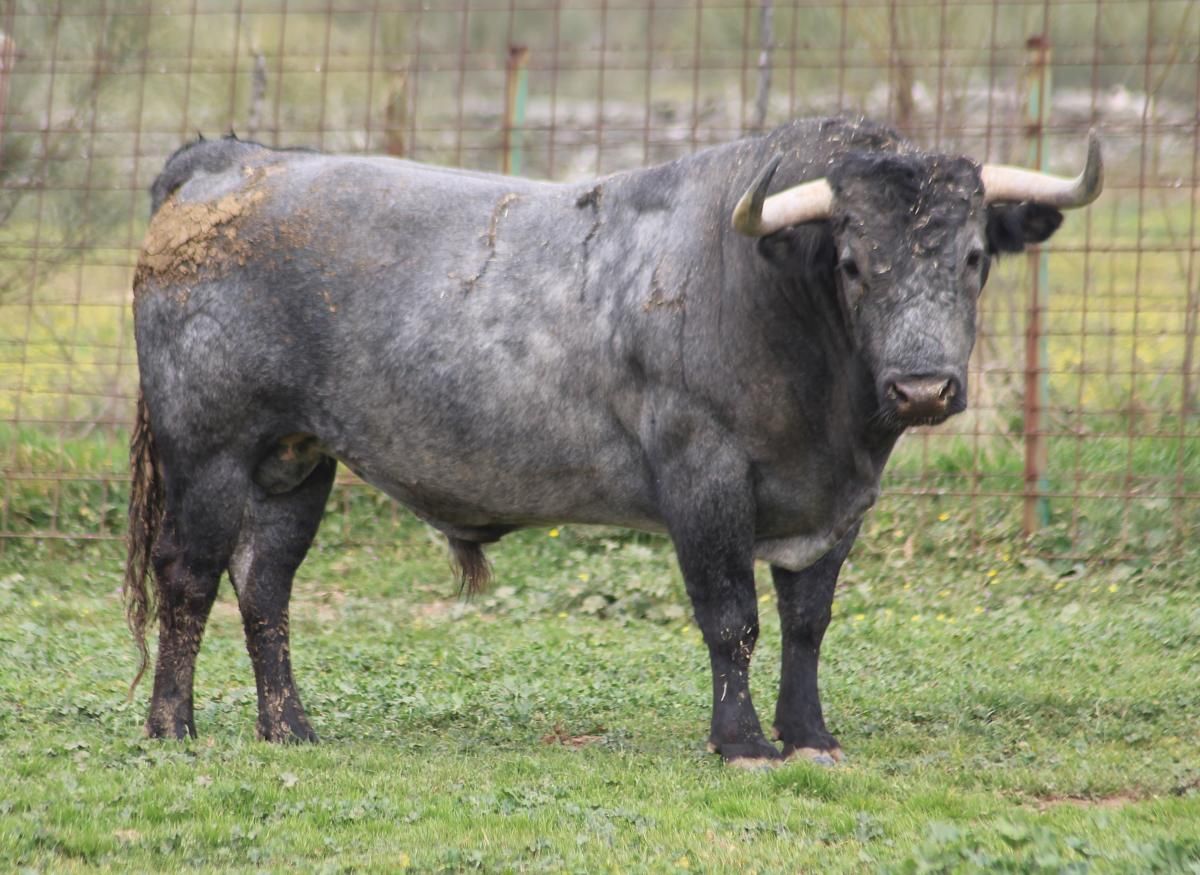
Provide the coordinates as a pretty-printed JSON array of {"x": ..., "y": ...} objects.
[
  {"x": 752, "y": 755},
  {"x": 820, "y": 756},
  {"x": 753, "y": 764}
]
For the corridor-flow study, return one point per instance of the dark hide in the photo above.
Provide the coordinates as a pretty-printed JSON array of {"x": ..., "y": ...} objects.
[{"x": 497, "y": 353}]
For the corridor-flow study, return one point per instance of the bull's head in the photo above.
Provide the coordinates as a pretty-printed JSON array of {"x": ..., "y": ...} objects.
[{"x": 913, "y": 235}]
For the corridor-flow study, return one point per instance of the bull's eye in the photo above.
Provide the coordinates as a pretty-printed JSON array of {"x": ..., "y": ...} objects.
[
  {"x": 849, "y": 268},
  {"x": 974, "y": 259}
]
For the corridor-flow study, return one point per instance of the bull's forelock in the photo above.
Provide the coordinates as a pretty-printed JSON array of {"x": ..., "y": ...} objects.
[{"x": 924, "y": 199}]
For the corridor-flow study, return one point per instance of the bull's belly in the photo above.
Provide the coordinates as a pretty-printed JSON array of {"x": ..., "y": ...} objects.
[
  {"x": 461, "y": 513},
  {"x": 462, "y": 499},
  {"x": 483, "y": 507}
]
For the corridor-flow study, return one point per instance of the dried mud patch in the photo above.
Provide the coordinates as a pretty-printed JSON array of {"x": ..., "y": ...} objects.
[{"x": 185, "y": 238}]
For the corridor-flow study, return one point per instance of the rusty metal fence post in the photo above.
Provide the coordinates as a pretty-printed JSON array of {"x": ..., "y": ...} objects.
[{"x": 1037, "y": 485}]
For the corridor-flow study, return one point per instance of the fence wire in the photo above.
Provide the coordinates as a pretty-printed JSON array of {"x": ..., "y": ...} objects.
[{"x": 1083, "y": 426}]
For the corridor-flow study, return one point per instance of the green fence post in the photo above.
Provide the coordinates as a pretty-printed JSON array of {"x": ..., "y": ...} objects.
[{"x": 516, "y": 88}]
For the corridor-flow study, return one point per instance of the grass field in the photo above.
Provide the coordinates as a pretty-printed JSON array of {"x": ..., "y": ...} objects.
[{"x": 1000, "y": 714}]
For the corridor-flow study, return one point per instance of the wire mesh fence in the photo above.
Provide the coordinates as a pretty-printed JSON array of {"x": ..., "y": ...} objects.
[{"x": 1083, "y": 425}]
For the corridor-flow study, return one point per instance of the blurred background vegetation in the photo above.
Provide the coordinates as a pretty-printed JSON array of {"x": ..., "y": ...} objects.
[{"x": 94, "y": 94}]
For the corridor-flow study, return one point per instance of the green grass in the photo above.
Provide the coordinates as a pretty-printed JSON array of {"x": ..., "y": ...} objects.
[{"x": 999, "y": 713}]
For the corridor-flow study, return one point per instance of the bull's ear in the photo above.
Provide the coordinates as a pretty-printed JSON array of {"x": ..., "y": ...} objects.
[
  {"x": 801, "y": 248},
  {"x": 1010, "y": 227}
]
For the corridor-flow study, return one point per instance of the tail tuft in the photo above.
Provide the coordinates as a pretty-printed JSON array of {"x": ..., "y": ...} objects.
[
  {"x": 145, "y": 519},
  {"x": 474, "y": 571}
]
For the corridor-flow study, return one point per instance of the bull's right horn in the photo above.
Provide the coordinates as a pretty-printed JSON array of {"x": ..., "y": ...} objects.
[
  {"x": 1014, "y": 184},
  {"x": 757, "y": 215}
]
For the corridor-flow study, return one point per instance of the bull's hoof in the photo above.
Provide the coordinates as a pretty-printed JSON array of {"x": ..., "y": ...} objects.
[
  {"x": 820, "y": 756},
  {"x": 752, "y": 755},
  {"x": 815, "y": 745},
  {"x": 164, "y": 721},
  {"x": 754, "y": 764},
  {"x": 287, "y": 731},
  {"x": 282, "y": 735},
  {"x": 287, "y": 725}
]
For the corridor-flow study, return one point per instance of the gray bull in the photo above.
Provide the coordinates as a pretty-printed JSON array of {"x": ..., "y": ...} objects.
[{"x": 676, "y": 349}]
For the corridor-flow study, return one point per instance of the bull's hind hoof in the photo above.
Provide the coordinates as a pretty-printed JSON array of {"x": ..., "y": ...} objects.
[
  {"x": 290, "y": 726},
  {"x": 821, "y": 757},
  {"x": 287, "y": 732},
  {"x": 163, "y": 723},
  {"x": 287, "y": 736}
]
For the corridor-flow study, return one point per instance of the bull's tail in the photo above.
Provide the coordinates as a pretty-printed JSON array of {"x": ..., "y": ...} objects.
[
  {"x": 145, "y": 520},
  {"x": 474, "y": 572}
]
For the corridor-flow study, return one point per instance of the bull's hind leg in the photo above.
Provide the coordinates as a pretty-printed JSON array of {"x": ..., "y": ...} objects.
[
  {"x": 203, "y": 511},
  {"x": 276, "y": 533},
  {"x": 805, "y": 607}
]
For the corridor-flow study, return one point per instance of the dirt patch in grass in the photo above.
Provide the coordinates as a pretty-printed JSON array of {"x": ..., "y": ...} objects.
[
  {"x": 1111, "y": 801},
  {"x": 562, "y": 737}
]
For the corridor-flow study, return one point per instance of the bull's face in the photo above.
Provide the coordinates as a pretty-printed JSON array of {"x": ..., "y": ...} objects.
[
  {"x": 913, "y": 242},
  {"x": 909, "y": 238}
]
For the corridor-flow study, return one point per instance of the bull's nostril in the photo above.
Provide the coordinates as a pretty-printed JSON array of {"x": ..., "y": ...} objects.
[
  {"x": 896, "y": 393},
  {"x": 948, "y": 391}
]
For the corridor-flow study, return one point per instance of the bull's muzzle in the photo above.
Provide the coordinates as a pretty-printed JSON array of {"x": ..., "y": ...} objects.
[{"x": 923, "y": 399}]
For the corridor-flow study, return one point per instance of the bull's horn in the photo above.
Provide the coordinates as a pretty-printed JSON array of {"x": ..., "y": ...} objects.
[
  {"x": 757, "y": 215},
  {"x": 1013, "y": 184}
]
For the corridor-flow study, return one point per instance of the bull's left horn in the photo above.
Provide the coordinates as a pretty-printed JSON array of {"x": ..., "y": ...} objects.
[
  {"x": 757, "y": 215},
  {"x": 1003, "y": 184}
]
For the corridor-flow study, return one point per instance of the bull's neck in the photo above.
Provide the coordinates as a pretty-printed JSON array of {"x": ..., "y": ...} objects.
[
  {"x": 808, "y": 336},
  {"x": 693, "y": 268}
]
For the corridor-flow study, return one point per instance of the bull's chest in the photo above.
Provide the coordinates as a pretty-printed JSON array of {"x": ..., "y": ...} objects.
[{"x": 802, "y": 518}]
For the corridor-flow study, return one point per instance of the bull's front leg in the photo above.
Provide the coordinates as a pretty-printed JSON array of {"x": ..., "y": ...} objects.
[
  {"x": 711, "y": 524},
  {"x": 805, "y": 606}
]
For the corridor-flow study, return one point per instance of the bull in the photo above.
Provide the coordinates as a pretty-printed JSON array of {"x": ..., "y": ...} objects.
[{"x": 724, "y": 348}]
